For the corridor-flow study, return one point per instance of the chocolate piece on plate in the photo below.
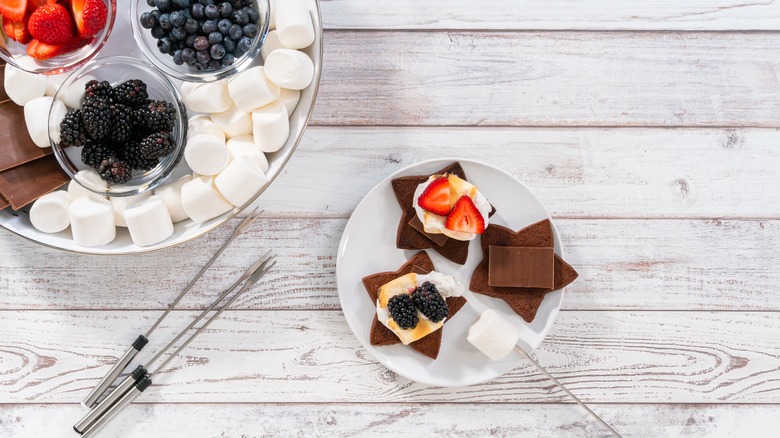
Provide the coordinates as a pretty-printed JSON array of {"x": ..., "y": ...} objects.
[
  {"x": 4, "y": 203},
  {"x": 381, "y": 335},
  {"x": 16, "y": 146},
  {"x": 438, "y": 239},
  {"x": 521, "y": 266},
  {"x": 524, "y": 301},
  {"x": 3, "y": 94},
  {"x": 24, "y": 184}
]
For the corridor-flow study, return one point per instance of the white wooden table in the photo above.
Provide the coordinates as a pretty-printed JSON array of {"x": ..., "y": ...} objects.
[{"x": 647, "y": 128}]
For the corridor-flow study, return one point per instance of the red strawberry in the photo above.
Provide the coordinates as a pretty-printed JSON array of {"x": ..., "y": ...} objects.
[
  {"x": 41, "y": 51},
  {"x": 13, "y": 10},
  {"x": 90, "y": 16},
  {"x": 17, "y": 31},
  {"x": 436, "y": 197},
  {"x": 465, "y": 217},
  {"x": 51, "y": 24}
]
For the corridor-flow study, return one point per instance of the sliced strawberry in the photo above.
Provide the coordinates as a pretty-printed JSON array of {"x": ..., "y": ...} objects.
[
  {"x": 17, "y": 31},
  {"x": 51, "y": 24},
  {"x": 465, "y": 217},
  {"x": 42, "y": 51},
  {"x": 90, "y": 16},
  {"x": 13, "y": 10},
  {"x": 436, "y": 197}
]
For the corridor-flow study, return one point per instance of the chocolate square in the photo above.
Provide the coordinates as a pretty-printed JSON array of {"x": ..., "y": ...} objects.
[
  {"x": 519, "y": 266},
  {"x": 438, "y": 239}
]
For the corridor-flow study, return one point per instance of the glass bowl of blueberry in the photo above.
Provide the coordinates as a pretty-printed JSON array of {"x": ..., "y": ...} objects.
[
  {"x": 200, "y": 40},
  {"x": 118, "y": 126}
]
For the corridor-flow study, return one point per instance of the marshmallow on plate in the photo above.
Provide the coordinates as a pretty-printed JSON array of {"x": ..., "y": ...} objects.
[
  {"x": 252, "y": 89},
  {"x": 245, "y": 146},
  {"x": 208, "y": 97},
  {"x": 149, "y": 221},
  {"x": 72, "y": 96},
  {"x": 92, "y": 221},
  {"x": 202, "y": 201},
  {"x": 36, "y": 117},
  {"x": 493, "y": 335},
  {"x": 206, "y": 154},
  {"x": 271, "y": 43},
  {"x": 121, "y": 203},
  {"x": 58, "y": 112},
  {"x": 171, "y": 196},
  {"x": 54, "y": 82},
  {"x": 22, "y": 86},
  {"x": 89, "y": 178},
  {"x": 202, "y": 124},
  {"x": 233, "y": 122},
  {"x": 291, "y": 69},
  {"x": 270, "y": 127},
  {"x": 49, "y": 214},
  {"x": 289, "y": 98},
  {"x": 240, "y": 181},
  {"x": 293, "y": 23}
]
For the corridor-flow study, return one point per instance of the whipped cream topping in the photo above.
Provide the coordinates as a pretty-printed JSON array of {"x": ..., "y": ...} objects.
[{"x": 434, "y": 224}]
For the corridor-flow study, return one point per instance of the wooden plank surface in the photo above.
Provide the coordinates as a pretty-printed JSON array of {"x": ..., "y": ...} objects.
[
  {"x": 549, "y": 79},
  {"x": 306, "y": 356},
  {"x": 552, "y": 15}
]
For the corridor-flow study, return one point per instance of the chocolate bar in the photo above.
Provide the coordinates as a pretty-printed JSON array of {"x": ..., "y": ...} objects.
[{"x": 518, "y": 266}]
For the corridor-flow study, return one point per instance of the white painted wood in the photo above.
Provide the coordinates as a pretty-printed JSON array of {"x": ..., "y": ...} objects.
[
  {"x": 549, "y": 79},
  {"x": 552, "y": 15},
  {"x": 294, "y": 356},
  {"x": 623, "y": 264},
  {"x": 397, "y": 419}
]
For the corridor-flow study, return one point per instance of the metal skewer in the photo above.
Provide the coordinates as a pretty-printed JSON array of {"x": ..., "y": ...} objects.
[
  {"x": 142, "y": 340},
  {"x": 146, "y": 381},
  {"x": 141, "y": 370}
]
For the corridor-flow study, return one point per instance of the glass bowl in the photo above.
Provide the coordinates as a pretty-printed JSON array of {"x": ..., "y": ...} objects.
[
  {"x": 184, "y": 72},
  {"x": 115, "y": 70},
  {"x": 15, "y": 53}
]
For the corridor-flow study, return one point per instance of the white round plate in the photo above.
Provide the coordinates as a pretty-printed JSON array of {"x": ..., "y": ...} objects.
[
  {"x": 368, "y": 247},
  {"x": 122, "y": 42}
]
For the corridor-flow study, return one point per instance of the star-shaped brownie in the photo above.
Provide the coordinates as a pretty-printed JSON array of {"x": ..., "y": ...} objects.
[
  {"x": 409, "y": 237},
  {"x": 524, "y": 301},
  {"x": 381, "y": 335}
]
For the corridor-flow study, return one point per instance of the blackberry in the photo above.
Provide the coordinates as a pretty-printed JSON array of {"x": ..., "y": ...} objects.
[
  {"x": 72, "y": 132},
  {"x": 131, "y": 93},
  {"x": 156, "y": 116},
  {"x": 131, "y": 155},
  {"x": 403, "y": 312},
  {"x": 94, "y": 153},
  {"x": 430, "y": 303},
  {"x": 96, "y": 113},
  {"x": 121, "y": 123},
  {"x": 156, "y": 145},
  {"x": 114, "y": 171},
  {"x": 100, "y": 90}
]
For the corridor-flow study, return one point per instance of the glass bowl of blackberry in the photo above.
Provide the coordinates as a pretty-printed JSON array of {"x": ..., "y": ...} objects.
[
  {"x": 118, "y": 126},
  {"x": 200, "y": 40},
  {"x": 54, "y": 37}
]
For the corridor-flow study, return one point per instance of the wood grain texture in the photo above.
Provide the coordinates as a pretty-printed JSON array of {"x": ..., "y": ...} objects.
[
  {"x": 552, "y": 15},
  {"x": 549, "y": 79},
  {"x": 396, "y": 419},
  {"x": 623, "y": 264},
  {"x": 292, "y": 356}
]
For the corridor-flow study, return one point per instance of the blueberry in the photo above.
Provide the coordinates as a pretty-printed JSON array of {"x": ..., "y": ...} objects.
[
  {"x": 177, "y": 58},
  {"x": 250, "y": 30},
  {"x": 197, "y": 11},
  {"x": 178, "y": 18},
  {"x": 240, "y": 17},
  {"x": 228, "y": 59},
  {"x": 212, "y": 11},
  {"x": 237, "y": 4},
  {"x": 215, "y": 37},
  {"x": 188, "y": 56},
  {"x": 165, "y": 45},
  {"x": 181, "y": 4},
  {"x": 156, "y": 14},
  {"x": 178, "y": 34},
  {"x": 243, "y": 44},
  {"x": 150, "y": 3},
  {"x": 229, "y": 44},
  {"x": 191, "y": 26},
  {"x": 203, "y": 57},
  {"x": 224, "y": 26},
  {"x": 200, "y": 66},
  {"x": 254, "y": 16},
  {"x": 225, "y": 9},
  {"x": 158, "y": 32},
  {"x": 147, "y": 20},
  {"x": 235, "y": 32},
  {"x": 209, "y": 26},
  {"x": 214, "y": 64},
  {"x": 163, "y": 5},
  {"x": 206, "y": 2},
  {"x": 165, "y": 21},
  {"x": 201, "y": 43},
  {"x": 217, "y": 51}
]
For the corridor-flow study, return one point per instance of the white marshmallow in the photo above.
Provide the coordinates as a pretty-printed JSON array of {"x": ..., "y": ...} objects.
[
  {"x": 171, "y": 196},
  {"x": 240, "y": 181},
  {"x": 493, "y": 335},
  {"x": 89, "y": 178},
  {"x": 49, "y": 214},
  {"x": 270, "y": 127},
  {"x": 74, "y": 93},
  {"x": 92, "y": 221},
  {"x": 121, "y": 203},
  {"x": 252, "y": 89},
  {"x": 233, "y": 122},
  {"x": 58, "y": 112},
  {"x": 206, "y": 154},
  {"x": 22, "y": 86},
  {"x": 207, "y": 97},
  {"x": 149, "y": 221},
  {"x": 36, "y": 117},
  {"x": 202, "y": 201},
  {"x": 245, "y": 146},
  {"x": 202, "y": 124},
  {"x": 293, "y": 22},
  {"x": 53, "y": 83},
  {"x": 290, "y": 99},
  {"x": 271, "y": 43},
  {"x": 291, "y": 69}
]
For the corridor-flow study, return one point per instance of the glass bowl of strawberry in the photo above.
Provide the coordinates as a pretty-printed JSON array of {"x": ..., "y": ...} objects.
[{"x": 54, "y": 36}]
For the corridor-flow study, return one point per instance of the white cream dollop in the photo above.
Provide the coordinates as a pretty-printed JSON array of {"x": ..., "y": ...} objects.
[
  {"x": 447, "y": 285},
  {"x": 434, "y": 224}
]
